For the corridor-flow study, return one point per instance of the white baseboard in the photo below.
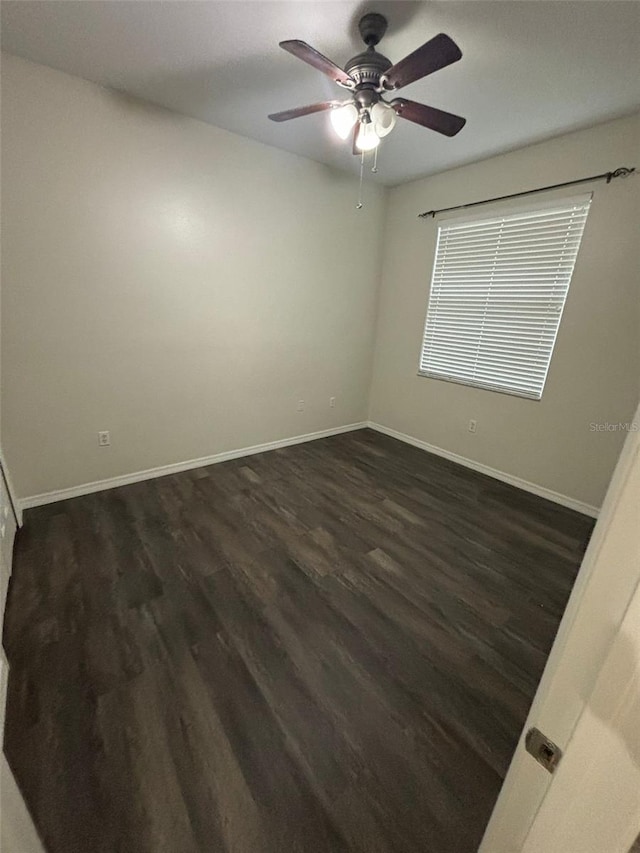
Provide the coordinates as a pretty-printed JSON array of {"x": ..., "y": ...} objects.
[
  {"x": 163, "y": 470},
  {"x": 534, "y": 488}
]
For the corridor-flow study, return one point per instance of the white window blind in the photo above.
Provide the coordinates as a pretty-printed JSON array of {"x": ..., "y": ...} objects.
[{"x": 498, "y": 289}]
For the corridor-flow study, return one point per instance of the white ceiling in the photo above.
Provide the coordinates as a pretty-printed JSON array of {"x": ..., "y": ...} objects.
[{"x": 530, "y": 69}]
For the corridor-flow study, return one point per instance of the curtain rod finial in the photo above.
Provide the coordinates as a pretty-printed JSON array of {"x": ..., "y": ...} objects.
[{"x": 621, "y": 172}]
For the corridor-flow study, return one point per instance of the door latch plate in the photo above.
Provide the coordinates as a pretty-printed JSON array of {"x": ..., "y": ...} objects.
[{"x": 545, "y": 751}]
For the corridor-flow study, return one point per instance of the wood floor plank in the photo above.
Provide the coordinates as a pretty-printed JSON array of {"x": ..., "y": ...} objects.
[{"x": 325, "y": 648}]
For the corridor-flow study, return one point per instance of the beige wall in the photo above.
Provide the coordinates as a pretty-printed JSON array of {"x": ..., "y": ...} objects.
[
  {"x": 178, "y": 285},
  {"x": 595, "y": 371},
  {"x": 17, "y": 833},
  {"x": 184, "y": 287}
]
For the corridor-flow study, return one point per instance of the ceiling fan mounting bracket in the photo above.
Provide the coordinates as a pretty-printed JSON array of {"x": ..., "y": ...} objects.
[{"x": 372, "y": 27}]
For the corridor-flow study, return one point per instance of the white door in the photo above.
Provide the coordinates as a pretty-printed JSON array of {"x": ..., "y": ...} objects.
[{"x": 588, "y": 701}]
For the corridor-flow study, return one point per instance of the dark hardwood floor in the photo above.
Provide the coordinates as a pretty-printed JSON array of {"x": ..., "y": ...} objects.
[{"x": 330, "y": 647}]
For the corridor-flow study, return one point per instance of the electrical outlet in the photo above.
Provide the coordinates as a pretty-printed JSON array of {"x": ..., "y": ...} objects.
[
  {"x": 300, "y": 406},
  {"x": 473, "y": 425},
  {"x": 104, "y": 438},
  {"x": 332, "y": 402}
]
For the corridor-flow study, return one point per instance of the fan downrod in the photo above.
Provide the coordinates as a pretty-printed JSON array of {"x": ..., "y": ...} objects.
[{"x": 372, "y": 27}]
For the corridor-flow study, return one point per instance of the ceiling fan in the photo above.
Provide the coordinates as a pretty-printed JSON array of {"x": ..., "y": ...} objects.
[{"x": 370, "y": 75}]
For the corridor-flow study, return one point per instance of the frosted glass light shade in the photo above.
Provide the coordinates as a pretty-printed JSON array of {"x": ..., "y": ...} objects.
[
  {"x": 343, "y": 119},
  {"x": 383, "y": 118},
  {"x": 367, "y": 139}
]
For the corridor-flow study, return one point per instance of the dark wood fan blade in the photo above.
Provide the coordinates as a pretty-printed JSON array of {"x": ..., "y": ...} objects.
[
  {"x": 285, "y": 115},
  {"x": 437, "y": 53},
  {"x": 310, "y": 55},
  {"x": 445, "y": 123}
]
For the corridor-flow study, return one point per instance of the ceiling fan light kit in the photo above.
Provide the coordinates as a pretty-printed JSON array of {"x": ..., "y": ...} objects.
[
  {"x": 343, "y": 119},
  {"x": 383, "y": 117},
  {"x": 367, "y": 139},
  {"x": 368, "y": 76}
]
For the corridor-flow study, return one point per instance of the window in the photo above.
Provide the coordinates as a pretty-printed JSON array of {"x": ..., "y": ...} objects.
[{"x": 497, "y": 292}]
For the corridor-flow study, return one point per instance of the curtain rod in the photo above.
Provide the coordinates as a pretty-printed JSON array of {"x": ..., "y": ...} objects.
[{"x": 621, "y": 172}]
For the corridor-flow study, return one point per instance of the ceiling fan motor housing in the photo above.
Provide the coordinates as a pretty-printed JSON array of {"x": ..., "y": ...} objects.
[{"x": 368, "y": 67}]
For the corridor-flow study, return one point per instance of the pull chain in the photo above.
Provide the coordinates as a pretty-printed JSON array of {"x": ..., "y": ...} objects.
[
  {"x": 359, "y": 204},
  {"x": 374, "y": 168}
]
